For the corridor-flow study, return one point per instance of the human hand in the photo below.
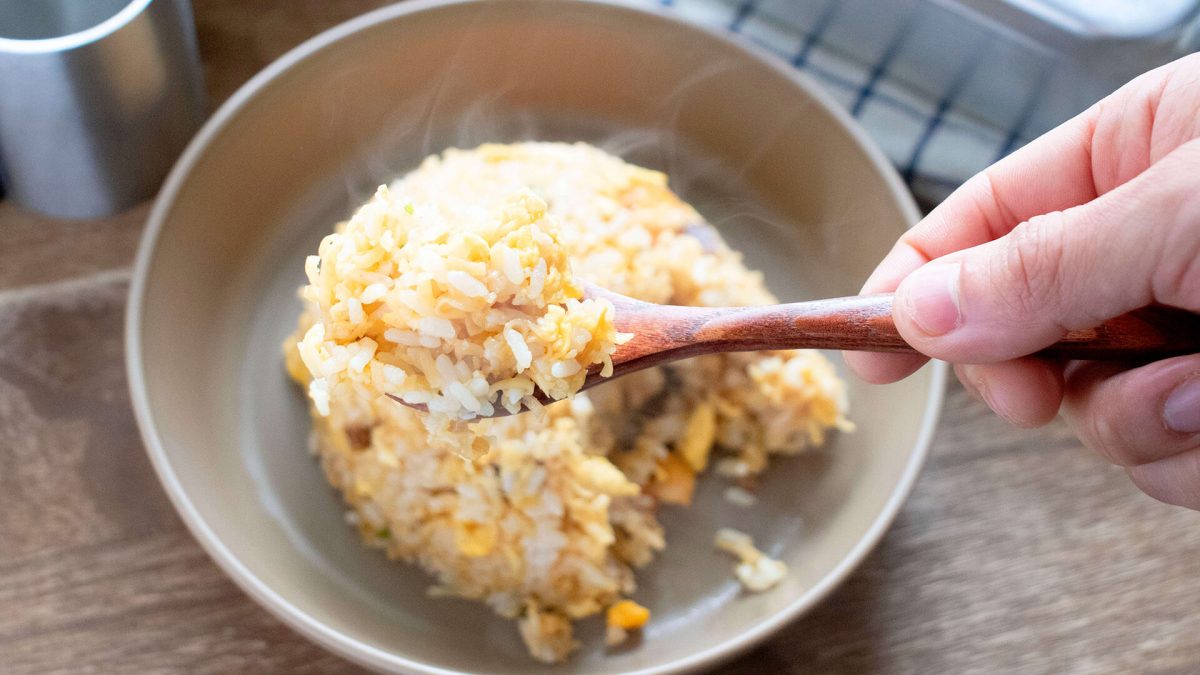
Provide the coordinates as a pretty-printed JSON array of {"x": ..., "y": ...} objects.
[{"x": 1097, "y": 218}]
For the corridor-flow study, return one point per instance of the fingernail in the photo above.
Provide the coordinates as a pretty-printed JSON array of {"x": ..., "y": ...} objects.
[
  {"x": 1181, "y": 411},
  {"x": 931, "y": 297}
]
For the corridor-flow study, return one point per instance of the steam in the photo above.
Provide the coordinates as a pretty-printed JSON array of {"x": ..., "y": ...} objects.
[{"x": 458, "y": 109}]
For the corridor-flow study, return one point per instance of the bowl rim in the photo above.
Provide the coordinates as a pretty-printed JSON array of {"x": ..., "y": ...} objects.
[{"x": 368, "y": 655}]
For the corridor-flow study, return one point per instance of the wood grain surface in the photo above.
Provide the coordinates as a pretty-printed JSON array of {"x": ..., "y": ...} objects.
[{"x": 1019, "y": 551}]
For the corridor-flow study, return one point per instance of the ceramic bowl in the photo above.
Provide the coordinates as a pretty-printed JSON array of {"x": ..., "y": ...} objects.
[{"x": 770, "y": 159}]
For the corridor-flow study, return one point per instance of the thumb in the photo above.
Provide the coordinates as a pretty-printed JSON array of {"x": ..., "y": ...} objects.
[{"x": 1062, "y": 271}]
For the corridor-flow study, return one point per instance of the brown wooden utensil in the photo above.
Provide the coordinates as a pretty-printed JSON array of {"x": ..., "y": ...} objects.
[{"x": 665, "y": 333}]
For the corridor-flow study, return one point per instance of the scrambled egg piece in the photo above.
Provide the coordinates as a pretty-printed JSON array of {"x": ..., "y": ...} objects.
[
  {"x": 755, "y": 570},
  {"x": 622, "y": 617}
]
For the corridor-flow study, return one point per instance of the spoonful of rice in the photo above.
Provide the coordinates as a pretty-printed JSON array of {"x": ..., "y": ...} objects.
[
  {"x": 467, "y": 313},
  {"x": 653, "y": 334}
]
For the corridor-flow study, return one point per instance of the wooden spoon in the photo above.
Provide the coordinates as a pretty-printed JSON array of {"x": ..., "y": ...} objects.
[{"x": 665, "y": 333}]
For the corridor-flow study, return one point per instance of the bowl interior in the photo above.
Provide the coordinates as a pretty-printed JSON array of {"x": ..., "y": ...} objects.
[{"x": 763, "y": 158}]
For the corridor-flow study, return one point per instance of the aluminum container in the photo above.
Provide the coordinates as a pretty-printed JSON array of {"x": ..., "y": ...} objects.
[{"x": 97, "y": 99}]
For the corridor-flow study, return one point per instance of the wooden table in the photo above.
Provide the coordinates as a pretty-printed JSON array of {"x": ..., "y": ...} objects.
[{"x": 1018, "y": 551}]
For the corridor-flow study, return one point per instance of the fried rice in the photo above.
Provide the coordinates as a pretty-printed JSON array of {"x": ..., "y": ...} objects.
[{"x": 458, "y": 287}]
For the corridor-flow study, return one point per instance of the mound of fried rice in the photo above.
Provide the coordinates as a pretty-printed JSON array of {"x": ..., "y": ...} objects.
[
  {"x": 458, "y": 287},
  {"x": 451, "y": 306}
]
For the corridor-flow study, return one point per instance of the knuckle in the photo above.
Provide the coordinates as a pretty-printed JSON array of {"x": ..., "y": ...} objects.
[
  {"x": 1178, "y": 284},
  {"x": 1111, "y": 424},
  {"x": 1176, "y": 278},
  {"x": 1099, "y": 434},
  {"x": 1031, "y": 277}
]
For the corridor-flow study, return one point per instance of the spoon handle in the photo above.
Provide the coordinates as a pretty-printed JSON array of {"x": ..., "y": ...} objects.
[{"x": 864, "y": 323}]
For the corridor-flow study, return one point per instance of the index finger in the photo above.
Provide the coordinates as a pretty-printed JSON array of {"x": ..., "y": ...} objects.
[{"x": 1052, "y": 173}]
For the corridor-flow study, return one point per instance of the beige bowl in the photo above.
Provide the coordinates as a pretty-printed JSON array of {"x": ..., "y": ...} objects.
[{"x": 769, "y": 158}]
